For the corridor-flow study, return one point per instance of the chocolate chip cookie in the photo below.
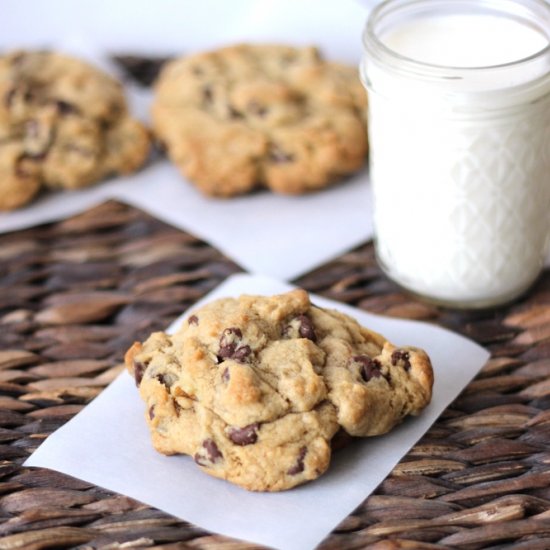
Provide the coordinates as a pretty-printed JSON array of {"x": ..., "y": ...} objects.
[
  {"x": 255, "y": 388},
  {"x": 250, "y": 116},
  {"x": 63, "y": 124}
]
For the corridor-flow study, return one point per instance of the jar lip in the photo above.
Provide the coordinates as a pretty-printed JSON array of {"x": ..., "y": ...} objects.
[{"x": 370, "y": 37}]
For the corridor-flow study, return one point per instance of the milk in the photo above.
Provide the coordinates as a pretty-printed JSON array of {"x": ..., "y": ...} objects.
[
  {"x": 460, "y": 40},
  {"x": 459, "y": 126}
]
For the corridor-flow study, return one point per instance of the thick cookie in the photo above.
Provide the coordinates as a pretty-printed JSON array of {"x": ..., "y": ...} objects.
[
  {"x": 252, "y": 116},
  {"x": 255, "y": 388},
  {"x": 63, "y": 124}
]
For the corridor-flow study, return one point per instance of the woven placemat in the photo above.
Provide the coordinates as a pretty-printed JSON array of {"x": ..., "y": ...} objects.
[{"x": 75, "y": 294}]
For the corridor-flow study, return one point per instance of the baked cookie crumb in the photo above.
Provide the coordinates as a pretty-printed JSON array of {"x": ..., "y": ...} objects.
[
  {"x": 250, "y": 116},
  {"x": 255, "y": 388},
  {"x": 63, "y": 124}
]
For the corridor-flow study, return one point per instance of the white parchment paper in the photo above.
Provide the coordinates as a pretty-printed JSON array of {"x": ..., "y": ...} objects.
[
  {"x": 108, "y": 444},
  {"x": 274, "y": 235}
]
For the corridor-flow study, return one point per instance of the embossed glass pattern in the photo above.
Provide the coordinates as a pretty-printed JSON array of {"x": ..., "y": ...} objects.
[{"x": 460, "y": 166}]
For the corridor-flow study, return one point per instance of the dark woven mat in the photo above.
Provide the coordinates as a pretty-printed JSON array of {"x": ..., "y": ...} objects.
[{"x": 75, "y": 294}]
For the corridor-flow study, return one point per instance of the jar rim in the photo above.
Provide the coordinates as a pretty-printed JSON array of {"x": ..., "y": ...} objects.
[{"x": 376, "y": 47}]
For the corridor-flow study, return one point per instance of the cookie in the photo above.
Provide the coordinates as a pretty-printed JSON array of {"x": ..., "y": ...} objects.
[
  {"x": 255, "y": 388},
  {"x": 63, "y": 124},
  {"x": 251, "y": 116}
]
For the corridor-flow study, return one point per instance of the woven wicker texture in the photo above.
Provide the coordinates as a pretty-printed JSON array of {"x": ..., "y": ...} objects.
[{"x": 75, "y": 294}]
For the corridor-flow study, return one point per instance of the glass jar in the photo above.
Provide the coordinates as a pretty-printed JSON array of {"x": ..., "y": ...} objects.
[{"x": 459, "y": 131}]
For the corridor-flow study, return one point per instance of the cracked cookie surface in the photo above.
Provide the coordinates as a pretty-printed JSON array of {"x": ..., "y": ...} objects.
[
  {"x": 250, "y": 116},
  {"x": 255, "y": 388},
  {"x": 63, "y": 124}
]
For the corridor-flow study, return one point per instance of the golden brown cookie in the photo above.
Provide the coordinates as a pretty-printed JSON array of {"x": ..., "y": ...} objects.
[
  {"x": 255, "y": 388},
  {"x": 251, "y": 116},
  {"x": 63, "y": 124}
]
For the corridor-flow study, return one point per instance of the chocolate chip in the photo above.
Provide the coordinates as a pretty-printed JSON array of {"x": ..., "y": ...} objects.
[
  {"x": 299, "y": 466},
  {"x": 257, "y": 109},
  {"x": 225, "y": 375},
  {"x": 105, "y": 125},
  {"x": 244, "y": 436},
  {"x": 151, "y": 412},
  {"x": 208, "y": 454},
  {"x": 166, "y": 379},
  {"x": 212, "y": 449},
  {"x": 207, "y": 94},
  {"x": 139, "y": 370},
  {"x": 401, "y": 357},
  {"x": 278, "y": 156},
  {"x": 370, "y": 368},
  {"x": 228, "y": 341},
  {"x": 230, "y": 347},
  {"x": 65, "y": 108},
  {"x": 28, "y": 96},
  {"x": 242, "y": 353},
  {"x": 234, "y": 114},
  {"x": 193, "y": 320},
  {"x": 306, "y": 328},
  {"x": 300, "y": 326}
]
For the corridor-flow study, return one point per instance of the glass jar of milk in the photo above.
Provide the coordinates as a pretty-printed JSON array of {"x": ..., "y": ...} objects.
[{"x": 459, "y": 129}]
